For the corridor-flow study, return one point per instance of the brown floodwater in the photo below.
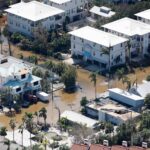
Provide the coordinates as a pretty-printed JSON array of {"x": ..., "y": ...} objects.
[{"x": 67, "y": 101}]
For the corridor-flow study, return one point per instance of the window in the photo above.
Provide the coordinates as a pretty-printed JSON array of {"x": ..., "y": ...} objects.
[
  {"x": 121, "y": 44},
  {"x": 36, "y": 83},
  {"x": 23, "y": 76},
  {"x": 74, "y": 37},
  {"x": 93, "y": 53},
  {"x": 141, "y": 38},
  {"x": 74, "y": 46},
  {"x": 18, "y": 89},
  {"x": 94, "y": 44}
]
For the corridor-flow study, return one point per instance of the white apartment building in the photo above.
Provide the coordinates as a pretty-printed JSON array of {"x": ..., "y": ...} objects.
[
  {"x": 26, "y": 17},
  {"x": 99, "y": 47},
  {"x": 144, "y": 16},
  {"x": 17, "y": 75},
  {"x": 74, "y": 9},
  {"x": 137, "y": 32},
  {"x": 114, "y": 113}
]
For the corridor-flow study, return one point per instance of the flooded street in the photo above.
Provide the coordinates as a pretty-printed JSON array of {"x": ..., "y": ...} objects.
[{"x": 66, "y": 101}]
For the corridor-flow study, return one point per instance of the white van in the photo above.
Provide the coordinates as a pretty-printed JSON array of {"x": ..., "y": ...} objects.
[{"x": 44, "y": 97}]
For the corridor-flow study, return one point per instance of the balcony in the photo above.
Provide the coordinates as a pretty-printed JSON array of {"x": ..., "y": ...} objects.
[{"x": 58, "y": 17}]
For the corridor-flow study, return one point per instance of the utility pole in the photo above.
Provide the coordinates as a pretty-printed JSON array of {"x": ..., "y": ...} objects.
[
  {"x": 131, "y": 123},
  {"x": 52, "y": 90}
]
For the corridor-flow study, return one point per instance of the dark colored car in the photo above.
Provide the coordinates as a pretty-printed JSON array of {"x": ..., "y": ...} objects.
[{"x": 25, "y": 104}]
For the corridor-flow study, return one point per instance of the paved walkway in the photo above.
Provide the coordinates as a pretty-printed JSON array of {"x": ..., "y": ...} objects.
[{"x": 18, "y": 137}]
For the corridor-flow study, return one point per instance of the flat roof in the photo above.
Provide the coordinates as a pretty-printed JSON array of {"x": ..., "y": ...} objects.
[
  {"x": 98, "y": 36},
  {"x": 13, "y": 66},
  {"x": 78, "y": 118},
  {"x": 33, "y": 10},
  {"x": 144, "y": 14},
  {"x": 115, "y": 110},
  {"x": 97, "y": 10},
  {"x": 128, "y": 26},
  {"x": 60, "y": 1},
  {"x": 126, "y": 94}
]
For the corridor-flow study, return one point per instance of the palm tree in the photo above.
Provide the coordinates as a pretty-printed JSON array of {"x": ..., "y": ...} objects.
[
  {"x": 12, "y": 124},
  {"x": 45, "y": 142},
  {"x": 128, "y": 82},
  {"x": 43, "y": 113},
  {"x": 28, "y": 119},
  {"x": 106, "y": 51},
  {"x": 7, "y": 142},
  {"x": 129, "y": 50},
  {"x": 8, "y": 35},
  {"x": 64, "y": 147},
  {"x": 49, "y": 65},
  {"x": 1, "y": 43},
  {"x": 3, "y": 131},
  {"x": 93, "y": 77},
  {"x": 21, "y": 129},
  {"x": 120, "y": 74},
  {"x": 37, "y": 116}
]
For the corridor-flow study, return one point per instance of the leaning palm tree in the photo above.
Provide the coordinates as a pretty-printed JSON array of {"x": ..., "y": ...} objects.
[
  {"x": 12, "y": 124},
  {"x": 93, "y": 77},
  {"x": 43, "y": 113}
]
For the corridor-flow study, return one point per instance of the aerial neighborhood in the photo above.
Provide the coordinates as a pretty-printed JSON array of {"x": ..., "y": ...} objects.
[{"x": 75, "y": 74}]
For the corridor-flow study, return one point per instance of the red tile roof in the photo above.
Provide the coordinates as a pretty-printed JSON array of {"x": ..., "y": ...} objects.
[
  {"x": 98, "y": 147},
  {"x": 136, "y": 148},
  {"x": 79, "y": 147},
  {"x": 118, "y": 147}
]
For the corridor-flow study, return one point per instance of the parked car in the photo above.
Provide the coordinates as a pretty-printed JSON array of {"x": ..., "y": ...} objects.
[
  {"x": 42, "y": 96},
  {"x": 32, "y": 98},
  {"x": 25, "y": 104}
]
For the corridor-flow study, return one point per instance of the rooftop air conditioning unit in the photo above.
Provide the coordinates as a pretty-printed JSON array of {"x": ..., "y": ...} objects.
[
  {"x": 124, "y": 143},
  {"x": 144, "y": 144},
  {"x": 105, "y": 143}
]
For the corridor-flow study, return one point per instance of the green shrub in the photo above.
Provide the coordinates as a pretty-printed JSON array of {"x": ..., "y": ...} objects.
[{"x": 148, "y": 78}]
